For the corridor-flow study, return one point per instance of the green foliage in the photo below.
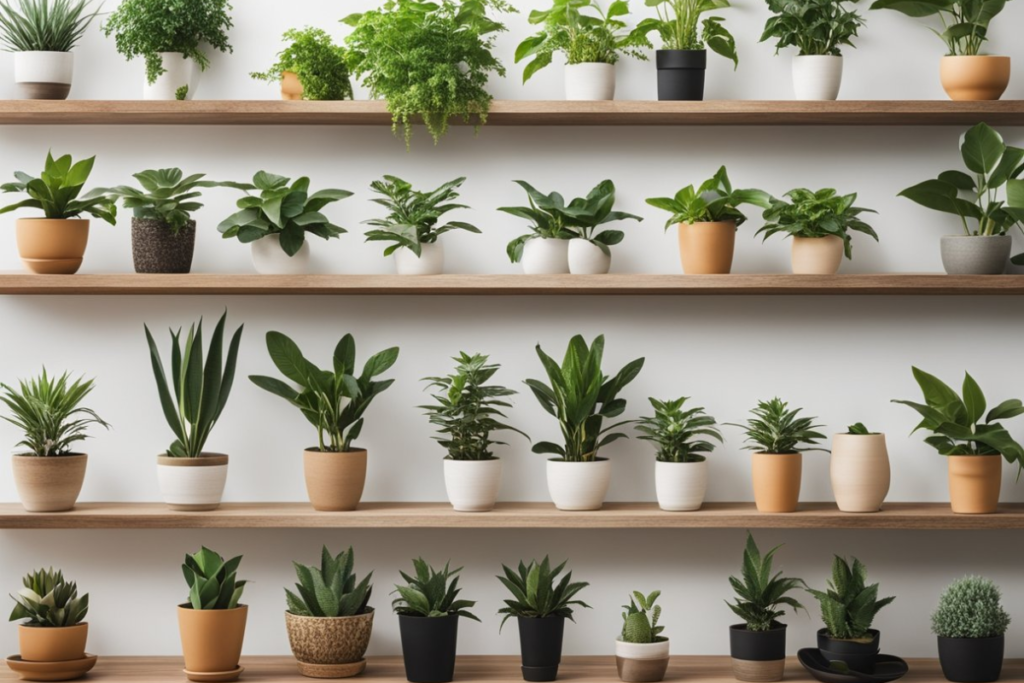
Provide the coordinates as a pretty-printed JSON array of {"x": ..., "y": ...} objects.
[
  {"x": 715, "y": 200},
  {"x": 44, "y": 25},
  {"x": 859, "y": 430},
  {"x": 56, "y": 191},
  {"x": 970, "y": 608},
  {"x": 535, "y": 594},
  {"x": 466, "y": 409},
  {"x": 640, "y": 620},
  {"x": 964, "y": 22},
  {"x": 330, "y": 590},
  {"x": 774, "y": 428},
  {"x": 431, "y": 593},
  {"x": 761, "y": 595},
  {"x": 816, "y": 27},
  {"x": 166, "y": 196},
  {"x": 48, "y": 411},
  {"x": 333, "y": 401},
  {"x": 817, "y": 214},
  {"x": 317, "y": 61},
  {"x": 48, "y": 601},
  {"x": 181, "y": 94},
  {"x": 580, "y": 396},
  {"x": 678, "y": 433},
  {"x": 145, "y": 28},
  {"x": 427, "y": 59},
  {"x": 200, "y": 390},
  {"x": 680, "y": 26},
  {"x": 849, "y": 605},
  {"x": 413, "y": 215},
  {"x": 212, "y": 582},
  {"x": 281, "y": 209}
]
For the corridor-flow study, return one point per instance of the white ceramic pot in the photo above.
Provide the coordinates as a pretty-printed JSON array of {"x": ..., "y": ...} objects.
[
  {"x": 642, "y": 650},
  {"x": 429, "y": 262},
  {"x": 590, "y": 81},
  {"x": 546, "y": 256},
  {"x": 472, "y": 485},
  {"x": 270, "y": 259},
  {"x": 586, "y": 258},
  {"x": 641, "y": 662},
  {"x": 681, "y": 485},
  {"x": 817, "y": 255},
  {"x": 181, "y": 71},
  {"x": 860, "y": 471},
  {"x": 192, "y": 484},
  {"x": 579, "y": 485},
  {"x": 44, "y": 75},
  {"x": 817, "y": 77}
]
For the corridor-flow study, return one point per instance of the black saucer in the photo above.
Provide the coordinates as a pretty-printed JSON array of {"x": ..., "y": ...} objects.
[{"x": 887, "y": 668}]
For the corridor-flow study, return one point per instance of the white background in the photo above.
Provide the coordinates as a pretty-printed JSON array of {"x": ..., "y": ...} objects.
[{"x": 841, "y": 358}]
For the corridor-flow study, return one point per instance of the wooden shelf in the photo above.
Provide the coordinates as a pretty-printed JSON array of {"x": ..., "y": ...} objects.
[
  {"x": 520, "y": 113},
  {"x": 935, "y": 516}
]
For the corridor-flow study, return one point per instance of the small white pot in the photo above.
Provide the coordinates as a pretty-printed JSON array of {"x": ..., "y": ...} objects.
[
  {"x": 817, "y": 77},
  {"x": 44, "y": 75},
  {"x": 860, "y": 471},
  {"x": 270, "y": 259},
  {"x": 579, "y": 485},
  {"x": 658, "y": 650},
  {"x": 590, "y": 81},
  {"x": 181, "y": 71},
  {"x": 472, "y": 485},
  {"x": 586, "y": 258},
  {"x": 192, "y": 484},
  {"x": 681, "y": 485},
  {"x": 429, "y": 262},
  {"x": 546, "y": 256}
]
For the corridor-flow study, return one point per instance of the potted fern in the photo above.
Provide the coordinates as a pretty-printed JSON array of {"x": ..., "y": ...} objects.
[
  {"x": 53, "y": 628},
  {"x": 312, "y": 67},
  {"x": 859, "y": 469},
  {"x": 970, "y": 624},
  {"x": 212, "y": 622},
  {"x": 641, "y": 652}
]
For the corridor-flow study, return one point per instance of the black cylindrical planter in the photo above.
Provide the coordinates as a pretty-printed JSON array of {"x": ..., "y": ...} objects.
[
  {"x": 681, "y": 74},
  {"x": 428, "y": 646},
  {"x": 858, "y": 656},
  {"x": 156, "y": 249},
  {"x": 758, "y": 655},
  {"x": 971, "y": 660},
  {"x": 541, "y": 643}
]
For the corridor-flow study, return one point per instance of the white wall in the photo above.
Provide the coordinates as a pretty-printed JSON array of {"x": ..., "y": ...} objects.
[{"x": 842, "y": 358}]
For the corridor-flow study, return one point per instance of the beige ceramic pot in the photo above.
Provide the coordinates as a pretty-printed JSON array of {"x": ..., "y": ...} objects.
[
  {"x": 211, "y": 639},
  {"x": 974, "y": 482},
  {"x": 330, "y": 647},
  {"x": 981, "y": 77},
  {"x": 192, "y": 484},
  {"x": 334, "y": 481},
  {"x": 49, "y": 246},
  {"x": 860, "y": 471},
  {"x": 42, "y": 644},
  {"x": 51, "y": 483},
  {"x": 641, "y": 662},
  {"x": 707, "y": 248},
  {"x": 817, "y": 255},
  {"x": 777, "y": 479},
  {"x": 291, "y": 86}
]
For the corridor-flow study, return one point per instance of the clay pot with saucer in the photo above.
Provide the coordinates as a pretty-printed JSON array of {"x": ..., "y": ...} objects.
[
  {"x": 211, "y": 641},
  {"x": 330, "y": 647},
  {"x": 52, "y": 246},
  {"x": 52, "y": 653}
]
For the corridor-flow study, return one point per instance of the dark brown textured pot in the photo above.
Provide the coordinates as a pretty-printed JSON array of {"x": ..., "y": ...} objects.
[
  {"x": 329, "y": 647},
  {"x": 157, "y": 249}
]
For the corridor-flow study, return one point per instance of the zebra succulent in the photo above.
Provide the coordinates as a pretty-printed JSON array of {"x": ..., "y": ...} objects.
[
  {"x": 49, "y": 601},
  {"x": 330, "y": 590},
  {"x": 535, "y": 595},
  {"x": 212, "y": 582},
  {"x": 640, "y": 620},
  {"x": 849, "y": 605}
]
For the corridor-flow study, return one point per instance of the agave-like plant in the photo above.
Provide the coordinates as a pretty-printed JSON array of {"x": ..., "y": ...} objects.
[
  {"x": 330, "y": 590},
  {"x": 761, "y": 594},
  {"x": 774, "y": 428},
  {"x": 48, "y": 410},
  {"x": 849, "y": 606},
  {"x": 44, "y": 25},
  {"x": 212, "y": 582},
  {"x": 535, "y": 595},
  {"x": 431, "y": 593},
  {"x": 48, "y": 600},
  {"x": 678, "y": 434}
]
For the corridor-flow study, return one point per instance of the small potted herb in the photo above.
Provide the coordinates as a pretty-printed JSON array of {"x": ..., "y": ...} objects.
[
  {"x": 212, "y": 623},
  {"x": 859, "y": 469},
  {"x": 641, "y": 652},
  {"x": 312, "y": 67},
  {"x": 541, "y": 607},
  {"x": 971, "y": 624},
  {"x": 54, "y": 627}
]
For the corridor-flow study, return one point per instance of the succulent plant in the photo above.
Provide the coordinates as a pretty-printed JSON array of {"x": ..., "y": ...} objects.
[
  {"x": 212, "y": 582},
  {"x": 849, "y": 605},
  {"x": 970, "y": 608},
  {"x": 640, "y": 620},
  {"x": 330, "y": 590},
  {"x": 48, "y": 600},
  {"x": 761, "y": 593},
  {"x": 431, "y": 593},
  {"x": 535, "y": 595}
]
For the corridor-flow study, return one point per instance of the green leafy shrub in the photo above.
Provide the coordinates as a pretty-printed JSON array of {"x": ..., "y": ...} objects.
[
  {"x": 317, "y": 61},
  {"x": 815, "y": 27},
  {"x": 44, "y": 25},
  {"x": 431, "y": 593},
  {"x": 817, "y": 214},
  {"x": 48, "y": 601},
  {"x": 970, "y": 607},
  {"x": 761, "y": 594},
  {"x": 330, "y": 590},
  {"x": 413, "y": 216},
  {"x": 849, "y": 606},
  {"x": 48, "y": 410},
  {"x": 859, "y": 430},
  {"x": 714, "y": 201},
  {"x": 774, "y": 428},
  {"x": 964, "y": 22},
  {"x": 212, "y": 582},
  {"x": 680, "y": 27},
  {"x": 57, "y": 190},
  {"x": 640, "y": 620},
  {"x": 535, "y": 595},
  {"x": 677, "y": 433},
  {"x": 166, "y": 196}
]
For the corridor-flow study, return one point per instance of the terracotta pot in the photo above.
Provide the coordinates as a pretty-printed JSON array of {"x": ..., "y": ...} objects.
[
  {"x": 192, "y": 484},
  {"x": 974, "y": 482},
  {"x": 777, "y": 481},
  {"x": 642, "y": 662},
  {"x": 860, "y": 471},
  {"x": 334, "y": 481},
  {"x": 51, "y": 483},
  {"x": 50, "y": 246},
  {"x": 211, "y": 639},
  {"x": 707, "y": 248},
  {"x": 291, "y": 86},
  {"x": 330, "y": 647},
  {"x": 981, "y": 77},
  {"x": 42, "y": 644},
  {"x": 817, "y": 255}
]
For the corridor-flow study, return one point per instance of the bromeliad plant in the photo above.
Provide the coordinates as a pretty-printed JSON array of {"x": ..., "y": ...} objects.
[
  {"x": 48, "y": 601},
  {"x": 761, "y": 594},
  {"x": 714, "y": 201},
  {"x": 57, "y": 192},
  {"x": 330, "y": 590},
  {"x": 317, "y": 61},
  {"x": 678, "y": 434},
  {"x": 44, "y": 25},
  {"x": 431, "y": 593},
  {"x": 971, "y": 607},
  {"x": 680, "y": 26},
  {"x": 849, "y": 606},
  {"x": 535, "y": 594},
  {"x": 640, "y": 620},
  {"x": 817, "y": 214},
  {"x": 48, "y": 410},
  {"x": 413, "y": 216},
  {"x": 815, "y": 27},
  {"x": 964, "y": 22},
  {"x": 212, "y": 582},
  {"x": 774, "y": 428},
  {"x": 166, "y": 196}
]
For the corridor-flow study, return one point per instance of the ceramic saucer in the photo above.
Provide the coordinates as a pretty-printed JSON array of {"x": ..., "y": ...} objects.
[
  {"x": 887, "y": 668},
  {"x": 51, "y": 671},
  {"x": 215, "y": 677}
]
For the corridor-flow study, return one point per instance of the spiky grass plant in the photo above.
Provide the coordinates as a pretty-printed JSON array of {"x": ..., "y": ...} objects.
[
  {"x": 761, "y": 595},
  {"x": 431, "y": 593},
  {"x": 535, "y": 595},
  {"x": 212, "y": 582},
  {"x": 48, "y": 411},
  {"x": 49, "y": 601},
  {"x": 44, "y": 25},
  {"x": 330, "y": 590},
  {"x": 640, "y": 620},
  {"x": 849, "y": 605}
]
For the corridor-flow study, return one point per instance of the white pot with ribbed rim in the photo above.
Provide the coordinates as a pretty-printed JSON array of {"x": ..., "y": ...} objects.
[
  {"x": 545, "y": 256},
  {"x": 817, "y": 77},
  {"x": 590, "y": 81},
  {"x": 681, "y": 486},
  {"x": 268, "y": 258},
  {"x": 192, "y": 484},
  {"x": 429, "y": 262},
  {"x": 43, "y": 75},
  {"x": 579, "y": 485},
  {"x": 180, "y": 71},
  {"x": 586, "y": 258},
  {"x": 472, "y": 485}
]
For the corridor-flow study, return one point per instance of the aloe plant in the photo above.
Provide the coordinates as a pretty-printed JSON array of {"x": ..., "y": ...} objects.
[
  {"x": 761, "y": 594},
  {"x": 330, "y": 590},
  {"x": 535, "y": 594},
  {"x": 47, "y": 600},
  {"x": 431, "y": 593},
  {"x": 640, "y": 620},
  {"x": 212, "y": 582},
  {"x": 849, "y": 606}
]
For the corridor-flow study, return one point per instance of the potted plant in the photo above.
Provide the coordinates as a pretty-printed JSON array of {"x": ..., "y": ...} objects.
[
  {"x": 591, "y": 42},
  {"x": 190, "y": 478},
  {"x": 682, "y": 437},
  {"x": 329, "y": 619},
  {"x": 708, "y": 218},
  {"x": 848, "y": 606},
  {"x": 312, "y": 67},
  {"x": 55, "y": 243},
  {"x": 545, "y": 249},
  {"x": 859, "y": 469},
  {"x": 971, "y": 624},
  {"x": 776, "y": 434},
  {"x": 541, "y": 607},
  {"x": 641, "y": 652},
  {"x": 580, "y": 396},
  {"x": 278, "y": 237},
  {"x": 42, "y": 35},
  {"x": 48, "y": 410},
  {"x": 170, "y": 37},
  {"x": 334, "y": 402},
  {"x": 212, "y": 623},
  {"x": 758, "y": 645},
  {"x": 429, "y": 61},
  {"x": 972, "y": 446},
  {"x": 974, "y": 197},
  {"x": 54, "y": 630},
  {"x": 685, "y": 38},
  {"x": 428, "y": 609},
  {"x": 820, "y": 224},
  {"x": 412, "y": 223},
  {"x": 466, "y": 411},
  {"x": 819, "y": 29}
]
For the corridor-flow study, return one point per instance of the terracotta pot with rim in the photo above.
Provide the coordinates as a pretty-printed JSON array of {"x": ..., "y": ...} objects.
[
  {"x": 973, "y": 78},
  {"x": 777, "y": 479},
  {"x": 192, "y": 484},
  {"x": 817, "y": 255},
  {"x": 330, "y": 647},
  {"x": 52, "y": 246},
  {"x": 49, "y": 644},
  {"x": 707, "y": 248},
  {"x": 50, "y": 483},
  {"x": 334, "y": 481},
  {"x": 974, "y": 482},
  {"x": 211, "y": 640},
  {"x": 859, "y": 469},
  {"x": 291, "y": 86}
]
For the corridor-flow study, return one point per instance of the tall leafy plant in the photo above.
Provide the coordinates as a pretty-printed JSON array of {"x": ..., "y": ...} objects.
[
  {"x": 814, "y": 27},
  {"x": 431, "y": 593},
  {"x": 681, "y": 24},
  {"x": 716, "y": 200},
  {"x": 167, "y": 196},
  {"x": 535, "y": 595},
  {"x": 317, "y": 61},
  {"x": 44, "y": 25},
  {"x": 213, "y": 584},
  {"x": 49, "y": 412},
  {"x": 822, "y": 213},
  {"x": 761, "y": 593},
  {"x": 964, "y": 22},
  {"x": 775, "y": 428},
  {"x": 413, "y": 215},
  {"x": 57, "y": 192},
  {"x": 849, "y": 605},
  {"x": 680, "y": 435}
]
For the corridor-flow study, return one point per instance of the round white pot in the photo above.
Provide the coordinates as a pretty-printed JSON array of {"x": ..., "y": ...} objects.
[
  {"x": 586, "y": 258},
  {"x": 270, "y": 259},
  {"x": 472, "y": 485},
  {"x": 429, "y": 262},
  {"x": 44, "y": 75},
  {"x": 658, "y": 650},
  {"x": 860, "y": 471},
  {"x": 180, "y": 72},
  {"x": 579, "y": 485},
  {"x": 681, "y": 485},
  {"x": 192, "y": 484},
  {"x": 546, "y": 256},
  {"x": 817, "y": 77},
  {"x": 590, "y": 81}
]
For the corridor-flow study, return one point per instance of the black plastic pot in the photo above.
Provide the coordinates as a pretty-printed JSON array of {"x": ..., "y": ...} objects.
[
  {"x": 757, "y": 646},
  {"x": 541, "y": 643},
  {"x": 971, "y": 660},
  {"x": 858, "y": 656},
  {"x": 428, "y": 646},
  {"x": 156, "y": 249},
  {"x": 681, "y": 74}
]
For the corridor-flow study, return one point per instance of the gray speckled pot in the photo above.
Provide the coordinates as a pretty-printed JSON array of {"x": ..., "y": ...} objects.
[
  {"x": 320, "y": 644},
  {"x": 155, "y": 249},
  {"x": 976, "y": 255}
]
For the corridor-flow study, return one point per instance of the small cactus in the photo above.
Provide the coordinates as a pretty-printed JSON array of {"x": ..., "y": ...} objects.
[{"x": 640, "y": 620}]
